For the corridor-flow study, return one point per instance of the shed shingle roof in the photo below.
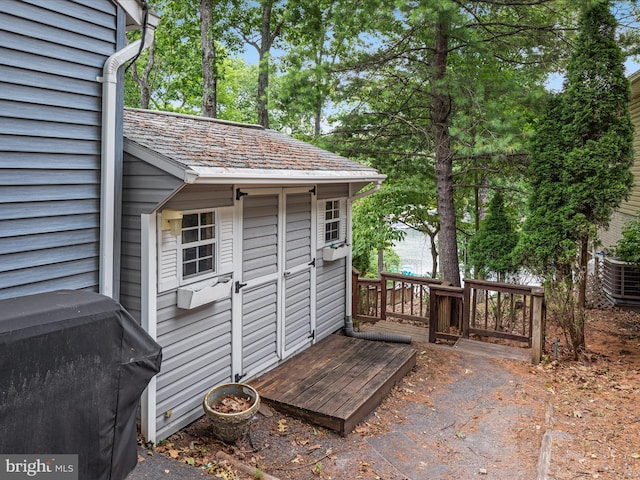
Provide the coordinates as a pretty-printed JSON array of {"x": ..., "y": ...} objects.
[{"x": 204, "y": 144}]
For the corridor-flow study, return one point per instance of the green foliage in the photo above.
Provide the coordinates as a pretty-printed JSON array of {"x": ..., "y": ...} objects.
[
  {"x": 581, "y": 159},
  {"x": 628, "y": 247},
  {"x": 581, "y": 151},
  {"x": 453, "y": 121},
  {"x": 237, "y": 91},
  {"x": 372, "y": 230},
  {"x": 173, "y": 74},
  {"x": 491, "y": 248}
]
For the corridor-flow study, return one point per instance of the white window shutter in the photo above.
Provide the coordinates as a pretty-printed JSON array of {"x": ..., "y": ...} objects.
[
  {"x": 343, "y": 219},
  {"x": 167, "y": 261},
  {"x": 225, "y": 219},
  {"x": 321, "y": 206}
]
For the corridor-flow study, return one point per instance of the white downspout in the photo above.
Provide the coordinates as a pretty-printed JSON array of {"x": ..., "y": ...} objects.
[
  {"x": 109, "y": 81},
  {"x": 350, "y": 200}
]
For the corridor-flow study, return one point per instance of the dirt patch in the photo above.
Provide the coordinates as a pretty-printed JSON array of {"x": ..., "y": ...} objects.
[
  {"x": 595, "y": 403},
  {"x": 459, "y": 416}
]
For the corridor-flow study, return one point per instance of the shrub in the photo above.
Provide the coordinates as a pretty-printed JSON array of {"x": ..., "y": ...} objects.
[{"x": 628, "y": 247}]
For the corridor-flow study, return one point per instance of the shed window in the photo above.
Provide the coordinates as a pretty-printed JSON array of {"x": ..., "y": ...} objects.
[
  {"x": 198, "y": 244},
  {"x": 332, "y": 221}
]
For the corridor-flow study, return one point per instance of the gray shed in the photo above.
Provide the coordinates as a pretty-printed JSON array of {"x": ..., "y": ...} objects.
[{"x": 235, "y": 251}]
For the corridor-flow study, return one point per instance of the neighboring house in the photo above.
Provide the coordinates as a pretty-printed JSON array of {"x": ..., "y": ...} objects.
[
  {"x": 630, "y": 209},
  {"x": 235, "y": 251},
  {"x": 60, "y": 150}
]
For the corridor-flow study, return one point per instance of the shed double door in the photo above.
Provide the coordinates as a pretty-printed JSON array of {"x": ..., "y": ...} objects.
[{"x": 275, "y": 285}]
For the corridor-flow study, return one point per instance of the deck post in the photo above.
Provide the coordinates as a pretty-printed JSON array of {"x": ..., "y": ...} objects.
[
  {"x": 433, "y": 315},
  {"x": 466, "y": 309},
  {"x": 355, "y": 297},
  {"x": 383, "y": 296},
  {"x": 537, "y": 324}
]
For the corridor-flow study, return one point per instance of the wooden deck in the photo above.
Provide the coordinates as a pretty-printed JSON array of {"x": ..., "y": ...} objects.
[{"x": 336, "y": 383}]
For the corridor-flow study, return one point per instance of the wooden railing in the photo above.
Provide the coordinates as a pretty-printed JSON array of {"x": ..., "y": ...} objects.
[
  {"x": 503, "y": 310},
  {"x": 447, "y": 307},
  {"x": 405, "y": 297},
  {"x": 482, "y": 308}
]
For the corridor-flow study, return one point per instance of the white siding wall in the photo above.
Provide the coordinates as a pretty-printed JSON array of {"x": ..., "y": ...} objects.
[
  {"x": 331, "y": 283},
  {"x": 630, "y": 209},
  {"x": 196, "y": 356}
]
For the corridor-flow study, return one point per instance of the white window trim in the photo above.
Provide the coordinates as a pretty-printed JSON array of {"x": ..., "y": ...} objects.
[
  {"x": 341, "y": 205},
  {"x": 216, "y": 268}
]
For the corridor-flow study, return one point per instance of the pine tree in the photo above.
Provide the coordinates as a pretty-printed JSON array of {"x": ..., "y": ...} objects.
[
  {"x": 491, "y": 248},
  {"x": 581, "y": 159}
]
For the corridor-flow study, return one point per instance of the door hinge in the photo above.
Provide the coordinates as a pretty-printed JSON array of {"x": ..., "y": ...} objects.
[
  {"x": 312, "y": 263},
  {"x": 239, "y": 286},
  {"x": 240, "y": 194},
  {"x": 313, "y": 335}
]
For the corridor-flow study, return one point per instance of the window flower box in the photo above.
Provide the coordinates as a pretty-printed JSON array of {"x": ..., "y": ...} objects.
[
  {"x": 196, "y": 295},
  {"x": 334, "y": 252}
]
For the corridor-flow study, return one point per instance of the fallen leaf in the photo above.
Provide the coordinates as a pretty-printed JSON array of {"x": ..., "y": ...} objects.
[
  {"x": 173, "y": 453},
  {"x": 314, "y": 447},
  {"x": 282, "y": 426}
]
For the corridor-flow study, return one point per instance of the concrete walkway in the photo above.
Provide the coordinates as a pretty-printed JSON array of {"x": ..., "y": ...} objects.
[
  {"x": 159, "y": 467},
  {"x": 470, "y": 428}
]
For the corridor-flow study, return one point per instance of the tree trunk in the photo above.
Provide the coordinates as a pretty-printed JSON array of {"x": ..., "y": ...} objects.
[
  {"x": 447, "y": 237},
  {"x": 263, "y": 63},
  {"x": 380, "y": 262},
  {"x": 317, "y": 121},
  {"x": 578, "y": 326},
  {"x": 143, "y": 80},
  {"x": 209, "y": 67},
  {"x": 434, "y": 255}
]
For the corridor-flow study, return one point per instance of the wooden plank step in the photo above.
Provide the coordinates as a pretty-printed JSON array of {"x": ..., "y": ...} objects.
[{"x": 338, "y": 382}]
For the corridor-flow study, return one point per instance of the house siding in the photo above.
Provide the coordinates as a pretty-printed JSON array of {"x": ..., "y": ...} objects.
[
  {"x": 196, "y": 350},
  {"x": 144, "y": 188},
  {"x": 331, "y": 295},
  {"x": 629, "y": 209},
  {"x": 632, "y": 205},
  {"x": 50, "y": 128},
  {"x": 609, "y": 237}
]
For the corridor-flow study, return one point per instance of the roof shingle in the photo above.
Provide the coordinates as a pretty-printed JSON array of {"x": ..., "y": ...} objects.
[{"x": 204, "y": 142}]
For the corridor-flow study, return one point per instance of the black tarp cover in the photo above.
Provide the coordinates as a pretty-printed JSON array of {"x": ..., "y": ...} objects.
[{"x": 73, "y": 365}]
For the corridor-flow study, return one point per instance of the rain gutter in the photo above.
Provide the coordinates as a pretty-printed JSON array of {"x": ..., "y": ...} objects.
[
  {"x": 222, "y": 175},
  {"x": 109, "y": 142}
]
